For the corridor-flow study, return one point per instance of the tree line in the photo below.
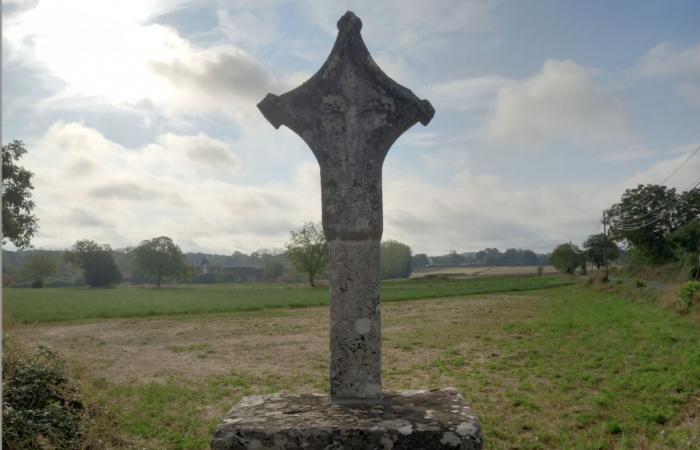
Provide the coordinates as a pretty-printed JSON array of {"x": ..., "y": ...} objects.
[
  {"x": 655, "y": 224},
  {"x": 485, "y": 257}
]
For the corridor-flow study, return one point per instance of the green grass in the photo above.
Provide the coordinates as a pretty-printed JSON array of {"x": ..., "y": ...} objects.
[
  {"x": 565, "y": 368},
  {"x": 58, "y": 304}
]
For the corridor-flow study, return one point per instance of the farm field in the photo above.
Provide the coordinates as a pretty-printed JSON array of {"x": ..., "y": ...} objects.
[
  {"x": 43, "y": 305},
  {"x": 483, "y": 271},
  {"x": 559, "y": 368}
]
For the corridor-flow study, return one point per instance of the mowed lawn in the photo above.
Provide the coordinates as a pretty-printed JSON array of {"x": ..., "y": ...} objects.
[
  {"x": 44, "y": 305},
  {"x": 559, "y": 368}
]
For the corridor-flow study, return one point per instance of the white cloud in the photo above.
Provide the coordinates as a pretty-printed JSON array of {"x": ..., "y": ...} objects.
[
  {"x": 680, "y": 66},
  {"x": 107, "y": 53},
  {"x": 206, "y": 153},
  {"x": 473, "y": 212},
  {"x": 558, "y": 104},
  {"x": 681, "y": 179},
  {"x": 627, "y": 155},
  {"x": 466, "y": 94},
  {"x": 90, "y": 187},
  {"x": 667, "y": 61},
  {"x": 87, "y": 186}
]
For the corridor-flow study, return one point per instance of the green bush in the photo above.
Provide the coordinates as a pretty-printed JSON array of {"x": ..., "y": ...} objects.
[
  {"x": 41, "y": 407},
  {"x": 689, "y": 294}
]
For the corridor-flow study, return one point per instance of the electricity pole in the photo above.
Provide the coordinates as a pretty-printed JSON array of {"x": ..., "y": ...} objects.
[{"x": 605, "y": 247}]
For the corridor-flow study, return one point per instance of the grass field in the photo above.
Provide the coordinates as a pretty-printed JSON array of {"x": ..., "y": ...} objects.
[
  {"x": 43, "y": 305},
  {"x": 560, "y": 368}
]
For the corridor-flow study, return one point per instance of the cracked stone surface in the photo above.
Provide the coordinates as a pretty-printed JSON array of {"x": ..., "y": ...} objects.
[
  {"x": 350, "y": 113},
  {"x": 436, "y": 419}
]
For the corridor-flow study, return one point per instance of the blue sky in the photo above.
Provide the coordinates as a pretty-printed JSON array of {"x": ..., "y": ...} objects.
[{"x": 140, "y": 116}]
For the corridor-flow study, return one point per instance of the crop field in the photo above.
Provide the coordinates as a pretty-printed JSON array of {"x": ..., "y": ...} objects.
[
  {"x": 560, "y": 368},
  {"x": 484, "y": 271},
  {"x": 43, "y": 305}
]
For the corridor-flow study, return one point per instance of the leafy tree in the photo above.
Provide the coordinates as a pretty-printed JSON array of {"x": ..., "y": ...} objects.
[
  {"x": 568, "y": 257},
  {"x": 687, "y": 240},
  {"x": 395, "y": 260},
  {"x": 40, "y": 266},
  {"x": 96, "y": 261},
  {"x": 420, "y": 260},
  {"x": 595, "y": 247},
  {"x": 648, "y": 214},
  {"x": 18, "y": 222},
  {"x": 159, "y": 258},
  {"x": 308, "y": 250}
]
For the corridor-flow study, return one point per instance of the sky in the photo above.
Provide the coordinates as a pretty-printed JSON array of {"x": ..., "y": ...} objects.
[{"x": 139, "y": 116}]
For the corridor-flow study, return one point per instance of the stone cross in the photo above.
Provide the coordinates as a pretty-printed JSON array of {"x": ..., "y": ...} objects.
[{"x": 350, "y": 113}]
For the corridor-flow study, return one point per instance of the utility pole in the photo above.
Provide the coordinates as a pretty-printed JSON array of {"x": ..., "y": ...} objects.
[{"x": 605, "y": 246}]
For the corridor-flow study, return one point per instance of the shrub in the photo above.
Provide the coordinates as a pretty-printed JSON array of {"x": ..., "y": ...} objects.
[
  {"x": 41, "y": 407},
  {"x": 689, "y": 294}
]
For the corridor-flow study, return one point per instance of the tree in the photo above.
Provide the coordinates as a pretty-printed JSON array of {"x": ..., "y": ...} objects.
[
  {"x": 420, "y": 260},
  {"x": 18, "y": 222},
  {"x": 40, "y": 266},
  {"x": 595, "y": 247},
  {"x": 159, "y": 258},
  {"x": 395, "y": 260},
  {"x": 648, "y": 214},
  {"x": 96, "y": 261},
  {"x": 307, "y": 248},
  {"x": 567, "y": 257},
  {"x": 687, "y": 240}
]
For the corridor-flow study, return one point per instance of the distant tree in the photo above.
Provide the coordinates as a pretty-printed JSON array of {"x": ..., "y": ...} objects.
[
  {"x": 595, "y": 249},
  {"x": 273, "y": 268},
  {"x": 96, "y": 261},
  {"x": 488, "y": 257},
  {"x": 451, "y": 259},
  {"x": 420, "y": 260},
  {"x": 395, "y": 260},
  {"x": 160, "y": 258},
  {"x": 308, "y": 250},
  {"x": 39, "y": 266},
  {"x": 18, "y": 221},
  {"x": 646, "y": 216},
  {"x": 567, "y": 258}
]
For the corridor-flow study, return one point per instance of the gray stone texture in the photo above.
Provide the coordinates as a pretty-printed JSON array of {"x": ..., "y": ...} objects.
[
  {"x": 426, "y": 420},
  {"x": 350, "y": 113},
  {"x": 355, "y": 320}
]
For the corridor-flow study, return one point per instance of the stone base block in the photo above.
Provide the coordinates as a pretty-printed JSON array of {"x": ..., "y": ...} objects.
[{"x": 436, "y": 419}]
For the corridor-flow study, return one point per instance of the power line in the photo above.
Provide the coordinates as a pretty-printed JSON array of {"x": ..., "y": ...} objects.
[{"x": 695, "y": 152}]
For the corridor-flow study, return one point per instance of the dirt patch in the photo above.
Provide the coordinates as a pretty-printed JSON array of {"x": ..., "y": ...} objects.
[{"x": 259, "y": 343}]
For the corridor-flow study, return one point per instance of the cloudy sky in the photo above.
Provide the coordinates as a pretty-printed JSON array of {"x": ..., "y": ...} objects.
[{"x": 140, "y": 118}]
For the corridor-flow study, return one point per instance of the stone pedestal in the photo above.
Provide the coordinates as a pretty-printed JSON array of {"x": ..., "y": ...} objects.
[{"x": 437, "y": 419}]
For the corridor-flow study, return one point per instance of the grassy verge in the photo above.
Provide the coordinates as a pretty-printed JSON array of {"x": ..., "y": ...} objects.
[
  {"x": 565, "y": 368},
  {"x": 46, "y": 305}
]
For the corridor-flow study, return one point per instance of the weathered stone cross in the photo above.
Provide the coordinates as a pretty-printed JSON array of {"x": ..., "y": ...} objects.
[{"x": 350, "y": 113}]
